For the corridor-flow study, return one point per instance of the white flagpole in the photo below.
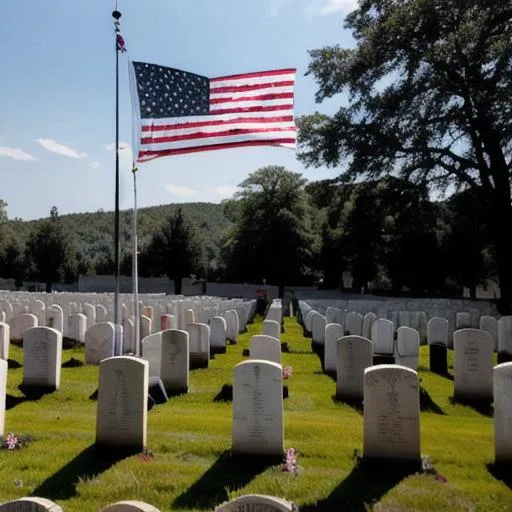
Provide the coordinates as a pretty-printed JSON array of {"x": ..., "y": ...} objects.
[{"x": 135, "y": 271}]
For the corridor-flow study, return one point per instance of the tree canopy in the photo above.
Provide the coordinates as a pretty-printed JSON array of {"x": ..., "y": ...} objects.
[
  {"x": 429, "y": 86},
  {"x": 272, "y": 238}
]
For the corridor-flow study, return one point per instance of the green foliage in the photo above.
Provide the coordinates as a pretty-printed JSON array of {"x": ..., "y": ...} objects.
[
  {"x": 190, "y": 434},
  {"x": 429, "y": 95},
  {"x": 50, "y": 255},
  {"x": 175, "y": 251},
  {"x": 272, "y": 238}
]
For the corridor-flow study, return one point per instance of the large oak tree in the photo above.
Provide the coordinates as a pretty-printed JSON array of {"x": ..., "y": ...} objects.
[{"x": 429, "y": 85}]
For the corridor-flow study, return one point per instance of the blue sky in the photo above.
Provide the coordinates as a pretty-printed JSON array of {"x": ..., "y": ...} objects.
[{"x": 57, "y": 91}]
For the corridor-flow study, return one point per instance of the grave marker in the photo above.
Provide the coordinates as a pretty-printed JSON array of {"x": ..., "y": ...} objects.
[{"x": 258, "y": 409}]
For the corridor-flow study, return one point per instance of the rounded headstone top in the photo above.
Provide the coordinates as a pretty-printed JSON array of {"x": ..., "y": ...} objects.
[
  {"x": 252, "y": 502},
  {"x": 30, "y": 505}
]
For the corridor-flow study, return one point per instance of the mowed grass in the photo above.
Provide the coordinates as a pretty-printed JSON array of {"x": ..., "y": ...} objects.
[{"x": 190, "y": 438}]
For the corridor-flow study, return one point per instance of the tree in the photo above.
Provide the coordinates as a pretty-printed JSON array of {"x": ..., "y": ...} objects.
[
  {"x": 429, "y": 98},
  {"x": 50, "y": 251},
  {"x": 271, "y": 239},
  {"x": 174, "y": 251}
]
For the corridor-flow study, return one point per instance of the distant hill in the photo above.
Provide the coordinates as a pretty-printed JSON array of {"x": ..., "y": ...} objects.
[{"x": 94, "y": 232}]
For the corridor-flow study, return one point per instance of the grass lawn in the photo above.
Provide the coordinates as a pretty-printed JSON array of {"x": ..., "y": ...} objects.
[{"x": 190, "y": 438}]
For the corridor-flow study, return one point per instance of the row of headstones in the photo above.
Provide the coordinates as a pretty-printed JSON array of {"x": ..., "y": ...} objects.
[
  {"x": 435, "y": 330},
  {"x": 236, "y": 321},
  {"x": 390, "y": 398},
  {"x": 74, "y": 318},
  {"x": 170, "y": 353},
  {"x": 248, "y": 503}
]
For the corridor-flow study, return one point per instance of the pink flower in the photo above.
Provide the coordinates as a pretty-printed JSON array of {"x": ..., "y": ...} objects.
[
  {"x": 11, "y": 441},
  {"x": 287, "y": 372},
  {"x": 290, "y": 461}
]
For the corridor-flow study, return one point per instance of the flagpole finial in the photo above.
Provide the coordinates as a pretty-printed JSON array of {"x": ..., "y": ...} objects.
[{"x": 116, "y": 14}]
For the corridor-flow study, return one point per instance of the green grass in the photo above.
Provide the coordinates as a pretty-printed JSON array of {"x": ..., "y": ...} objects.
[{"x": 190, "y": 437}]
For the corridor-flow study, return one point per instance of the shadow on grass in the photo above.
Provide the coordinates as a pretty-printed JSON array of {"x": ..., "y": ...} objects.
[
  {"x": 92, "y": 461},
  {"x": 427, "y": 404},
  {"x": 31, "y": 394},
  {"x": 355, "y": 403},
  {"x": 13, "y": 364},
  {"x": 227, "y": 474},
  {"x": 367, "y": 483},
  {"x": 502, "y": 472},
  {"x": 483, "y": 407}
]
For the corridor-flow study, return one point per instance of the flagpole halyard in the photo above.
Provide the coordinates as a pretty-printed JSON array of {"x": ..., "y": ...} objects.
[{"x": 118, "y": 349}]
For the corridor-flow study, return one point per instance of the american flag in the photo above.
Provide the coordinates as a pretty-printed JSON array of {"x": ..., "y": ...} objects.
[{"x": 180, "y": 112}]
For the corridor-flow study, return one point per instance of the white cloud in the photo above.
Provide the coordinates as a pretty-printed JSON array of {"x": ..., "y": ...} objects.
[
  {"x": 94, "y": 165},
  {"x": 112, "y": 147},
  {"x": 225, "y": 191},
  {"x": 15, "y": 153},
  {"x": 60, "y": 149},
  {"x": 326, "y": 7},
  {"x": 178, "y": 190}
]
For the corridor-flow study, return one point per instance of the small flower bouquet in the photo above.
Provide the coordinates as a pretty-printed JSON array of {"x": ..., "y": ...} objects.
[
  {"x": 290, "y": 461},
  {"x": 14, "y": 442},
  {"x": 287, "y": 372}
]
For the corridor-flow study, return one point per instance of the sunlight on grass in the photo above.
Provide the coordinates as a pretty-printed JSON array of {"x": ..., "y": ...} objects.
[{"x": 190, "y": 436}]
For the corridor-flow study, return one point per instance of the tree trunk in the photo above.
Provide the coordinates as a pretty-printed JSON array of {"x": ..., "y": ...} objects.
[
  {"x": 281, "y": 291},
  {"x": 502, "y": 210},
  {"x": 177, "y": 285},
  {"x": 48, "y": 287}
]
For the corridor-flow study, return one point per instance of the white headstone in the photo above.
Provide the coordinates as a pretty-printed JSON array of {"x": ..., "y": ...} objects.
[
  {"x": 121, "y": 419},
  {"x": 437, "y": 331},
  {"x": 145, "y": 326},
  {"x": 404, "y": 319},
  {"x": 30, "y": 504},
  {"x": 368, "y": 320},
  {"x": 19, "y": 324},
  {"x": 258, "y": 426},
  {"x": 55, "y": 318},
  {"x": 99, "y": 342},
  {"x": 257, "y": 503},
  {"x": 174, "y": 371},
  {"x": 266, "y": 348},
  {"x": 407, "y": 347},
  {"x": 42, "y": 357},
  {"x": 504, "y": 335},
  {"x": 90, "y": 312},
  {"x": 382, "y": 334},
  {"x": 318, "y": 329},
  {"x": 4, "y": 340},
  {"x": 354, "y": 324},
  {"x": 332, "y": 315},
  {"x": 462, "y": 320},
  {"x": 218, "y": 327},
  {"x": 232, "y": 325},
  {"x": 490, "y": 324},
  {"x": 502, "y": 390},
  {"x": 77, "y": 327},
  {"x": 272, "y": 328},
  {"x": 354, "y": 355},
  {"x": 333, "y": 332},
  {"x": 391, "y": 413},
  {"x": 199, "y": 344},
  {"x": 473, "y": 364},
  {"x": 101, "y": 313}
]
